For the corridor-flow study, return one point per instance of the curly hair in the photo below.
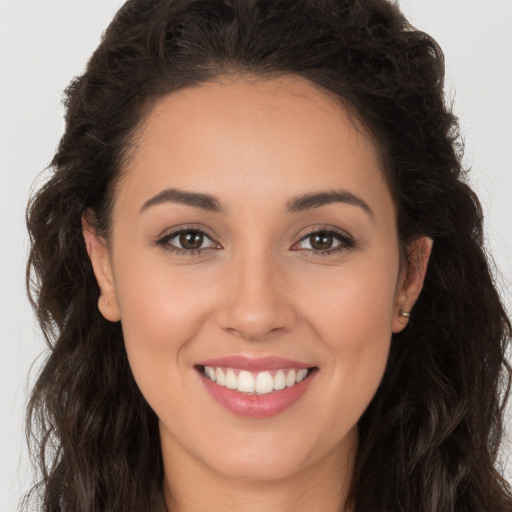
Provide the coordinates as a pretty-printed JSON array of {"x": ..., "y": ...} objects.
[{"x": 429, "y": 439}]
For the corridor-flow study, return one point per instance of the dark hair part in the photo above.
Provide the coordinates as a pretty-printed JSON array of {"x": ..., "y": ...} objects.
[{"x": 429, "y": 440}]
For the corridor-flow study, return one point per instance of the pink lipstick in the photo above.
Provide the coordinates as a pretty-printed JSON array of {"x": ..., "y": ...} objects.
[{"x": 255, "y": 387}]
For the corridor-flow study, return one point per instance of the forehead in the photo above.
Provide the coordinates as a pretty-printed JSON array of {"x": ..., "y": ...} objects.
[
  {"x": 248, "y": 99},
  {"x": 249, "y": 135}
]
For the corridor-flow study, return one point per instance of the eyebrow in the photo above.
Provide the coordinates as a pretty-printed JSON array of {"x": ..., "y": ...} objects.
[
  {"x": 310, "y": 201},
  {"x": 173, "y": 195},
  {"x": 295, "y": 205}
]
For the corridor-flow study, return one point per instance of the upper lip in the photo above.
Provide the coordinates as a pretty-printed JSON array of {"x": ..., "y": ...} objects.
[{"x": 254, "y": 363}]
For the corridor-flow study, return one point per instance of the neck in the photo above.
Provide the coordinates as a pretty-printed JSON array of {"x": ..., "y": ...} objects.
[{"x": 191, "y": 486}]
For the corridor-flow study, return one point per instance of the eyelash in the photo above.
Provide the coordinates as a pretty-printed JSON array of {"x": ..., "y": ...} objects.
[
  {"x": 346, "y": 242},
  {"x": 164, "y": 242}
]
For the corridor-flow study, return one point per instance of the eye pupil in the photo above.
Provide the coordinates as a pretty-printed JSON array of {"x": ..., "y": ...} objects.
[
  {"x": 191, "y": 240},
  {"x": 321, "y": 241}
]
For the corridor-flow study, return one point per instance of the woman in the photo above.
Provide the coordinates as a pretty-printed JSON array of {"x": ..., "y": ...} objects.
[{"x": 255, "y": 262}]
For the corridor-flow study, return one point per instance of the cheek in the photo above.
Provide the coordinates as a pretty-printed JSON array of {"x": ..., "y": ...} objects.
[
  {"x": 160, "y": 313},
  {"x": 353, "y": 302},
  {"x": 353, "y": 318}
]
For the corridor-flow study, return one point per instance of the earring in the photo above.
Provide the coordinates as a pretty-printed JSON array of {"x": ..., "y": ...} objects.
[
  {"x": 405, "y": 314},
  {"x": 107, "y": 302}
]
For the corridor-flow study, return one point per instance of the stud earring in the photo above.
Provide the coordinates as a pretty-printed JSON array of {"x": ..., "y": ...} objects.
[{"x": 405, "y": 314}]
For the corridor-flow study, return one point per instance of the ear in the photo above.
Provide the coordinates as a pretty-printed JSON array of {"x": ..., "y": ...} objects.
[
  {"x": 97, "y": 250},
  {"x": 411, "y": 281}
]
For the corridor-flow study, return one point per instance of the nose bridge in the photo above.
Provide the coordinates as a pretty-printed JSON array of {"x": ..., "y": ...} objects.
[{"x": 257, "y": 304}]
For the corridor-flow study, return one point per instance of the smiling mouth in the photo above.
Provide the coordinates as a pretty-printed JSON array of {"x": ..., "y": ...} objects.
[{"x": 255, "y": 383}]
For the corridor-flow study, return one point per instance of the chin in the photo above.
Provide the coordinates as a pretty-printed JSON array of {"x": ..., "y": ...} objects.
[
  {"x": 273, "y": 456},
  {"x": 258, "y": 467}
]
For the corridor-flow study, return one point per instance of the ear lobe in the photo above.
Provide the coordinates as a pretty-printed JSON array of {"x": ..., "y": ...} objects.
[
  {"x": 97, "y": 250},
  {"x": 411, "y": 281}
]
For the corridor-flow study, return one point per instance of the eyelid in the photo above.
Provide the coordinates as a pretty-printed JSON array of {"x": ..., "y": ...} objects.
[
  {"x": 346, "y": 240},
  {"x": 164, "y": 239},
  {"x": 186, "y": 227}
]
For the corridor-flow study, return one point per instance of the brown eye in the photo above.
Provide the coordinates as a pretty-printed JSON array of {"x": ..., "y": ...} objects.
[
  {"x": 187, "y": 241},
  {"x": 321, "y": 241},
  {"x": 191, "y": 240},
  {"x": 325, "y": 241}
]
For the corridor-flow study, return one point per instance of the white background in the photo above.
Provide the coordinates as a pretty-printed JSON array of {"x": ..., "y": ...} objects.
[{"x": 43, "y": 44}]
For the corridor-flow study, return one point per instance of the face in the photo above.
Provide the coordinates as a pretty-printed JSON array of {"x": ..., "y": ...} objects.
[{"x": 254, "y": 244}]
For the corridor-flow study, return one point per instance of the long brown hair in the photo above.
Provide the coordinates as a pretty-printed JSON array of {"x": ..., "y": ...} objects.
[{"x": 430, "y": 438}]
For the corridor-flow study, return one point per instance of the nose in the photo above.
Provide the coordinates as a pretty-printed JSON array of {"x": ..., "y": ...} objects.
[{"x": 258, "y": 304}]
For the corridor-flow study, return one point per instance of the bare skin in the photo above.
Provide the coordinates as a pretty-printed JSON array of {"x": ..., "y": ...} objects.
[
  {"x": 300, "y": 491},
  {"x": 250, "y": 268}
]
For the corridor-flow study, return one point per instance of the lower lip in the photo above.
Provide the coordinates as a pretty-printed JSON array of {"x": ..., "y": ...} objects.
[{"x": 257, "y": 406}]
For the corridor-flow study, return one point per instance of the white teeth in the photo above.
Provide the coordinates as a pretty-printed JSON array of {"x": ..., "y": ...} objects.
[
  {"x": 246, "y": 382},
  {"x": 301, "y": 375},
  {"x": 261, "y": 382},
  {"x": 221, "y": 380},
  {"x": 290, "y": 378},
  {"x": 279, "y": 380},
  {"x": 231, "y": 380},
  {"x": 264, "y": 383}
]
